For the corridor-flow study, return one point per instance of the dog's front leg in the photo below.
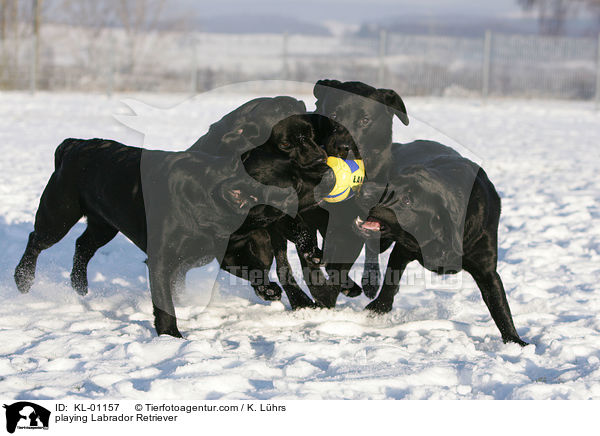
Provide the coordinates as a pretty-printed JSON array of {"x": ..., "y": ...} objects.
[
  {"x": 395, "y": 267},
  {"x": 494, "y": 296},
  {"x": 303, "y": 237},
  {"x": 297, "y": 298},
  {"x": 162, "y": 276}
]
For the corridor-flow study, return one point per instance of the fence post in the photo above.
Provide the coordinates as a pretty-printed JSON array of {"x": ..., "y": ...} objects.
[
  {"x": 194, "y": 66},
  {"x": 35, "y": 46},
  {"x": 597, "y": 105},
  {"x": 487, "y": 58},
  {"x": 382, "y": 50},
  {"x": 284, "y": 56},
  {"x": 4, "y": 73},
  {"x": 110, "y": 82},
  {"x": 33, "y": 70}
]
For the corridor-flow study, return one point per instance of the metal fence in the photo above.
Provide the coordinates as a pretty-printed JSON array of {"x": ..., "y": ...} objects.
[{"x": 110, "y": 60}]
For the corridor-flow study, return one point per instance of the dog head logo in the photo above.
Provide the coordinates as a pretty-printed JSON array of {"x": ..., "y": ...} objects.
[{"x": 26, "y": 415}]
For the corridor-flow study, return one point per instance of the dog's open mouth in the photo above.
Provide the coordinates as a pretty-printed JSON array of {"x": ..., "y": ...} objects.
[
  {"x": 369, "y": 225},
  {"x": 240, "y": 200}
]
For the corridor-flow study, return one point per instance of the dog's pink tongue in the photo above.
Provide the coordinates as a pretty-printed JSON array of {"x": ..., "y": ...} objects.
[{"x": 371, "y": 225}]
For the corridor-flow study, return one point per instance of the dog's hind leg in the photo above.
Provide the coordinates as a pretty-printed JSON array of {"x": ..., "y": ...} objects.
[
  {"x": 494, "y": 296},
  {"x": 482, "y": 266},
  {"x": 58, "y": 211},
  {"x": 97, "y": 234},
  {"x": 250, "y": 258}
]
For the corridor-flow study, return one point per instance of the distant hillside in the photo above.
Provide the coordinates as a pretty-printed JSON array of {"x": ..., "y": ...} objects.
[
  {"x": 469, "y": 26},
  {"x": 260, "y": 24}
]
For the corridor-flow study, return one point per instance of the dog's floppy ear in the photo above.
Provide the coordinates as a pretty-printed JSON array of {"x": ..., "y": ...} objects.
[
  {"x": 286, "y": 105},
  {"x": 246, "y": 131},
  {"x": 320, "y": 87},
  {"x": 392, "y": 100},
  {"x": 240, "y": 139}
]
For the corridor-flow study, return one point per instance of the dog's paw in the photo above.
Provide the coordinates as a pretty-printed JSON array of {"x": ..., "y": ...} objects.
[
  {"x": 353, "y": 290},
  {"x": 23, "y": 279},
  {"x": 270, "y": 292},
  {"x": 516, "y": 340},
  {"x": 314, "y": 258},
  {"x": 170, "y": 332},
  {"x": 80, "y": 284},
  {"x": 379, "y": 307},
  {"x": 370, "y": 290},
  {"x": 300, "y": 300},
  {"x": 165, "y": 323},
  {"x": 370, "y": 281},
  {"x": 326, "y": 296}
]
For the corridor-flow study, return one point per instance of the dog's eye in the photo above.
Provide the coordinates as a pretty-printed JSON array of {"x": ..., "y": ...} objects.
[
  {"x": 405, "y": 200},
  {"x": 365, "y": 121},
  {"x": 285, "y": 145}
]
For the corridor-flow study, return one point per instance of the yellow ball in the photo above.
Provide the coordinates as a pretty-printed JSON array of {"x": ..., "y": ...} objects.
[{"x": 349, "y": 176}]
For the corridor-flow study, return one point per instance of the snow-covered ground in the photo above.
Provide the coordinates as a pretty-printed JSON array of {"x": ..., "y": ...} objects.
[{"x": 438, "y": 342}]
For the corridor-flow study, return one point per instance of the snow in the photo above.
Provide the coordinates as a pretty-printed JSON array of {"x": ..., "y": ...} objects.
[{"x": 439, "y": 341}]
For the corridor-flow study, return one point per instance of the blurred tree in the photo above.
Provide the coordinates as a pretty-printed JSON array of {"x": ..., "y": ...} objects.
[
  {"x": 89, "y": 20},
  {"x": 553, "y": 14},
  {"x": 138, "y": 19}
]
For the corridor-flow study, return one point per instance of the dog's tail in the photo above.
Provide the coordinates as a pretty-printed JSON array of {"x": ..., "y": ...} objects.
[{"x": 64, "y": 146}]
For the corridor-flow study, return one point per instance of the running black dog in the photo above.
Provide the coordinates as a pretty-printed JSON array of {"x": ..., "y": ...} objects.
[
  {"x": 442, "y": 210},
  {"x": 178, "y": 207}
]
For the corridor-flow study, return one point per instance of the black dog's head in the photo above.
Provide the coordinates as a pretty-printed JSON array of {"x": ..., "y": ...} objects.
[
  {"x": 292, "y": 157},
  {"x": 261, "y": 181},
  {"x": 417, "y": 209},
  {"x": 295, "y": 138},
  {"x": 358, "y": 119},
  {"x": 247, "y": 126}
]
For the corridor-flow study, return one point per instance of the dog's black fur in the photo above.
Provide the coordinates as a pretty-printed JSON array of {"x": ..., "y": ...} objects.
[
  {"x": 442, "y": 210},
  {"x": 356, "y": 123},
  {"x": 290, "y": 154},
  {"x": 179, "y": 207}
]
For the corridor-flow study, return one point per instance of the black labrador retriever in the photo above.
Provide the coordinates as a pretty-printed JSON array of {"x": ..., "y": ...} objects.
[
  {"x": 442, "y": 210},
  {"x": 178, "y": 207},
  {"x": 289, "y": 158},
  {"x": 283, "y": 149},
  {"x": 356, "y": 123}
]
